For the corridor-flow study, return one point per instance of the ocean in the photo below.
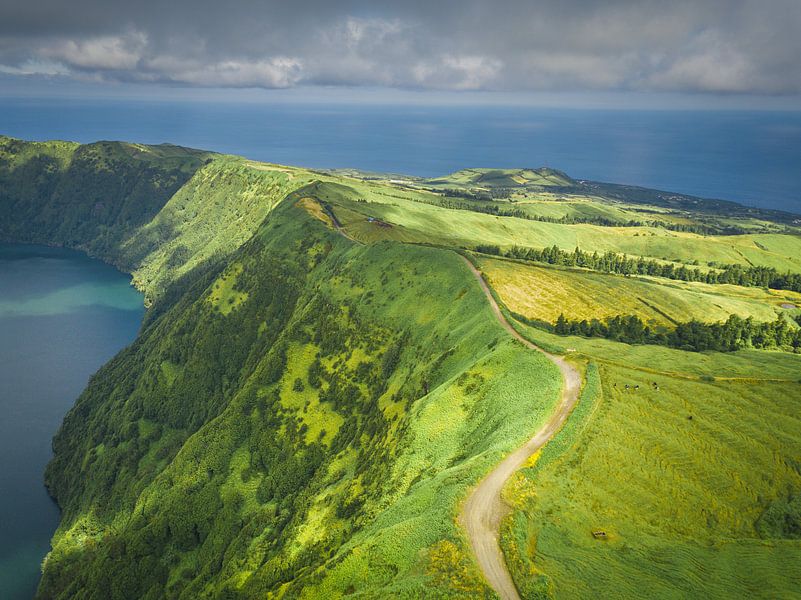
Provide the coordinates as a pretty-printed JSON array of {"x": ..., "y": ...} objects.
[{"x": 752, "y": 157}]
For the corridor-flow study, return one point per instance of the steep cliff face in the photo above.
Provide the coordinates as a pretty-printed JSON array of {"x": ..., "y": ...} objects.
[
  {"x": 298, "y": 422},
  {"x": 91, "y": 196},
  {"x": 300, "y": 415},
  {"x": 154, "y": 211}
]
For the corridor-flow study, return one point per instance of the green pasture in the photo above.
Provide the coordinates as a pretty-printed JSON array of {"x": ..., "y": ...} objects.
[
  {"x": 680, "y": 475},
  {"x": 543, "y": 293},
  {"x": 415, "y": 221}
]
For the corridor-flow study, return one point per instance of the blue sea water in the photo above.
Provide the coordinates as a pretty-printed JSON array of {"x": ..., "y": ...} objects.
[{"x": 750, "y": 157}]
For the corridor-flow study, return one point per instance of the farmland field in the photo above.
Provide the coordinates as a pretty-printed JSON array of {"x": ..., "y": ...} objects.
[
  {"x": 543, "y": 293},
  {"x": 423, "y": 221},
  {"x": 687, "y": 479}
]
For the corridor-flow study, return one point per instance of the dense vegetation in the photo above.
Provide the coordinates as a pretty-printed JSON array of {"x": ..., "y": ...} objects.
[
  {"x": 282, "y": 419},
  {"x": 696, "y": 336},
  {"x": 90, "y": 196},
  {"x": 302, "y": 414},
  {"x": 613, "y": 262}
]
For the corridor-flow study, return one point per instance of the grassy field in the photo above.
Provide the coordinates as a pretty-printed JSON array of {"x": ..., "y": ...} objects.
[
  {"x": 543, "y": 293},
  {"x": 555, "y": 206},
  {"x": 680, "y": 477},
  {"x": 415, "y": 221},
  {"x": 692, "y": 473},
  {"x": 500, "y": 178}
]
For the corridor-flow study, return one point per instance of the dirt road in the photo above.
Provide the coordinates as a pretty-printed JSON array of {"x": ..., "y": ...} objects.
[{"x": 484, "y": 509}]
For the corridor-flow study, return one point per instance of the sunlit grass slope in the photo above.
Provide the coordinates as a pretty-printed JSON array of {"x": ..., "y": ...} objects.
[
  {"x": 414, "y": 220},
  {"x": 302, "y": 414},
  {"x": 543, "y": 293},
  {"x": 688, "y": 464},
  {"x": 156, "y": 211},
  {"x": 554, "y": 206},
  {"x": 503, "y": 178},
  {"x": 692, "y": 481},
  {"x": 213, "y": 214},
  {"x": 298, "y": 423}
]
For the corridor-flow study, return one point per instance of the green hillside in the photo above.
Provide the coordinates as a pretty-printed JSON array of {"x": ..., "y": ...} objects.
[
  {"x": 418, "y": 216},
  {"x": 501, "y": 178},
  {"x": 320, "y": 381},
  {"x": 692, "y": 479},
  {"x": 294, "y": 414},
  {"x": 91, "y": 196}
]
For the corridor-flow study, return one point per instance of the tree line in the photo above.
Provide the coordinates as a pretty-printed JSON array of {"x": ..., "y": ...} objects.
[
  {"x": 733, "y": 334},
  {"x": 612, "y": 262}
]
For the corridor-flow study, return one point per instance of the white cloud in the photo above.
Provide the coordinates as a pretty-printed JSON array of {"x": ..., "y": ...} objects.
[
  {"x": 278, "y": 72},
  {"x": 458, "y": 72},
  {"x": 109, "y": 52},
  {"x": 708, "y": 63},
  {"x": 549, "y": 45},
  {"x": 36, "y": 67}
]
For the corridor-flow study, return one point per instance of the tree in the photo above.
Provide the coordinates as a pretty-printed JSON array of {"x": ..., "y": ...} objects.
[{"x": 561, "y": 325}]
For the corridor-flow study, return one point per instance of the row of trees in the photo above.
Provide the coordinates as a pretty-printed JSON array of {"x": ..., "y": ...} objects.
[
  {"x": 612, "y": 262},
  {"x": 733, "y": 334}
]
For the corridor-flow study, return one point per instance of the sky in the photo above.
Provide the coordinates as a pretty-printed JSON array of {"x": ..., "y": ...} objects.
[{"x": 708, "y": 50}]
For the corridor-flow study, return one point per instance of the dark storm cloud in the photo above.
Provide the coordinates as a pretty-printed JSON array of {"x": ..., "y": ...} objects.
[{"x": 744, "y": 46}]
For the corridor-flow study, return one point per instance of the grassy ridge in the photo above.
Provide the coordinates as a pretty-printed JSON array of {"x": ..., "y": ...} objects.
[
  {"x": 310, "y": 456},
  {"x": 212, "y": 215},
  {"x": 155, "y": 211}
]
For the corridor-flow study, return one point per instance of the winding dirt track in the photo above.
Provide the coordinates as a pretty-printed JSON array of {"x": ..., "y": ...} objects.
[{"x": 484, "y": 509}]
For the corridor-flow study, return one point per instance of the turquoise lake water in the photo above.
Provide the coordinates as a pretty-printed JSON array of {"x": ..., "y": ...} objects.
[{"x": 62, "y": 316}]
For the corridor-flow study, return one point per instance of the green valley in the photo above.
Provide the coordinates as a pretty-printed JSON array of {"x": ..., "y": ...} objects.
[{"x": 320, "y": 382}]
